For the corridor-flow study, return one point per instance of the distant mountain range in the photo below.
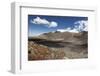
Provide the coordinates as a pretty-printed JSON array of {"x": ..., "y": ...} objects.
[
  {"x": 73, "y": 45},
  {"x": 76, "y": 38}
]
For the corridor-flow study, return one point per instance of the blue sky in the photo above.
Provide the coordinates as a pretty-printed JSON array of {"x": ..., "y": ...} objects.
[{"x": 38, "y": 24}]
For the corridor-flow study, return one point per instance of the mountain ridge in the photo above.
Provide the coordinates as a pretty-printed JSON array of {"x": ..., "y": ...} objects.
[{"x": 72, "y": 45}]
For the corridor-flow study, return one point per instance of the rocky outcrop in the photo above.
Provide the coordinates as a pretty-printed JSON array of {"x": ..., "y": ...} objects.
[{"x": 41, "y": 52}]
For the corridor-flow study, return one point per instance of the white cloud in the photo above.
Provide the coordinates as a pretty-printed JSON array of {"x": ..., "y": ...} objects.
[
  {"x": 68, "y": 30},
  {"x": 53, "y": 24},
  {"x": 38, "y": 20},
  {"x": 64, "y": 30},
  {"x": 74, "y": 30},
  {"x": 44, "y": 22},
  {"x": 81, "y": 25}
]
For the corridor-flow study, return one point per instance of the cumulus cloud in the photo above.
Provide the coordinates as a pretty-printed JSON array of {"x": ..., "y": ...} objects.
[
  {"x": 79, "y": 26},
  {"x": 44, "y": 22},
  {"x": 53, "y": 24}
]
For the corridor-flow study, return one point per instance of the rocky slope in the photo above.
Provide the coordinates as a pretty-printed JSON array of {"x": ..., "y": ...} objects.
[{"x": 58, "y": 45}]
